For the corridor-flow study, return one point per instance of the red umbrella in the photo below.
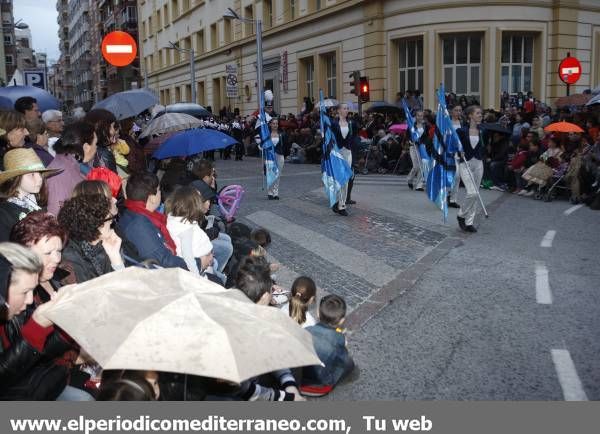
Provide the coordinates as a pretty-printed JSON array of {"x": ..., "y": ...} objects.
[{"x": 563, "y": 127}]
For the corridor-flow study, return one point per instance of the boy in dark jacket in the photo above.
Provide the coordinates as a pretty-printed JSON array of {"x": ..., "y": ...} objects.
[{"x": 330, "y": 345}]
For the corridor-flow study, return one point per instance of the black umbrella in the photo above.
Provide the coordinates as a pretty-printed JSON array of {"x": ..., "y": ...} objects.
[
  {"x": 189, "y": 108},
  {"x": 383, "y": 107},
  {"x": 495, "y": 128}
]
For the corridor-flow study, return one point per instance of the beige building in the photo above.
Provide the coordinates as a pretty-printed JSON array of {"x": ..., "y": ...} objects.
[{"x": 478, "y": 48}]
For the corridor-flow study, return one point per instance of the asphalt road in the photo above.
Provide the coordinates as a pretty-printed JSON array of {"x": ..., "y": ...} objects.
[{"x": 439, "y": 314}]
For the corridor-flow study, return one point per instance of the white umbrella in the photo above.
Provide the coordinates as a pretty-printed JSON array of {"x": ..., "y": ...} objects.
[
  {"x": 171, "y": 320},
  {"x": 170, "y": 122},
  {"x": 594, "y": 100},
  {"x": 329, "y": 102}
]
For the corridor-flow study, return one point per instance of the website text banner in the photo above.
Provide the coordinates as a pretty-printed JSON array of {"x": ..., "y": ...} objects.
[{"x": 310, "y": 417}]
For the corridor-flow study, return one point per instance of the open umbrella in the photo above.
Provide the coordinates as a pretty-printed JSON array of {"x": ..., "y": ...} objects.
[
  {"x": 189, "y": 108},
  {"x": 193, "y": 142},
  {"x": 398, "y": 128},
  {"x": 563, "y": 127},
  {"x": 329, "y": 102},
  {"x": 128, "y": 103},
  {"x": 6, "y": 103},
  {"x": 170, "y": 122},
  {"x": 496, "y": 128},
  {"x": 383, "y": 107},
  {"x": 577, "y": 99},
  {"x": 45, "y": 101},
  {"x": 594, "y": 100},
  {"x": 171, "y": 320}
]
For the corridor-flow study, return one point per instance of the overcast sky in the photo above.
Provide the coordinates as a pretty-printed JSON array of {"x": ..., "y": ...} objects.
[{"x": 41, "y": 16}]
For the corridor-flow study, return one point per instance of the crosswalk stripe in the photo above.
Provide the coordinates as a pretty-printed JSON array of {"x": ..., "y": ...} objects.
[{"x": 347, "y": 258}]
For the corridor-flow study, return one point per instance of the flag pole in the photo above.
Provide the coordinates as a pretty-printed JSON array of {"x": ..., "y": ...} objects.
[{"x": 462, "y": 155}]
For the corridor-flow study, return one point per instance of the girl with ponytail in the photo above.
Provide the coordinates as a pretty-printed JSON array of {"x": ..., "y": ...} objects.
[{"x": 304, "y": 292}]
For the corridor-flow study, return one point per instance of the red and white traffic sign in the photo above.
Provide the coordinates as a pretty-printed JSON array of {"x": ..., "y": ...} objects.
[
  {"x": 119, "y": 48},
  {"x": 569, "y": 70}
]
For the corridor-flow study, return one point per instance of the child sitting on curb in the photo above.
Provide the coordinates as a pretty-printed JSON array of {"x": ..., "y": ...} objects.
[{"x": 330, "y": 345}]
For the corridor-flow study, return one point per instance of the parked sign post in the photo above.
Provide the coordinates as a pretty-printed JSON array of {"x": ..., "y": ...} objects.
[{"x": 569, "y": 71}]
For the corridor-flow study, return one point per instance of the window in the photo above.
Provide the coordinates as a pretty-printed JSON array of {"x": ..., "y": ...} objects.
[
  {"x": 331, "y": 75},
  {"x": 7, "y": 40},
  {"x": 188, "y": 93},
  {"x": 410, "y": 62},
  {"x": 517, "y": 63},
  {"x": 167, "y": 96},
  {"x": 462, "y": 64},
  {"x": 227, "y": 31},
  {"x": 200, "y": 42},
  {"x": 268, "y": 13},
  {"x": 249, "y": 15},
  {"x": 174, "y": 9},
  {"x": 185, "y": 5},
  {"x": 176, "y": 57},
  {"x": 165, "y": 15},
  {"x": 216, "y": 90},
  {"x": 214, "y": 42},
  {"x": 177, "y": 94},
  {"x": 308, "y": 71},
  {"x": 200, "y": 94},
  {"x": 158, "y": 20},
  {"x": 150, "y": 27}
]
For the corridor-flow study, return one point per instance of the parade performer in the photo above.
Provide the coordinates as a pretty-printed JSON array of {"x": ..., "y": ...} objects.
[
  {"x": 470, "y": 167},
  {"x": 282, "y": 150},
  {"x": 346, "y": 132},
  {"x": 456, "y": 116},
  {"x": 418, "y": 131}
]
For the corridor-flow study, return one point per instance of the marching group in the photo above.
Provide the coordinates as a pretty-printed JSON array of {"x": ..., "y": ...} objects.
[{"x": 78, "y": 202}]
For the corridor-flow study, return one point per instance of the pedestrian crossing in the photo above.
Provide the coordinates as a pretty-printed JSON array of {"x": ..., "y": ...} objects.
[{"x": 384, "y": 180}]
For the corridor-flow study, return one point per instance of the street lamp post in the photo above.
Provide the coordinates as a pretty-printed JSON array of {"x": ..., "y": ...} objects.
[
  {"x": 230, "y": 14},
  {"x": 174, "y": 46}
]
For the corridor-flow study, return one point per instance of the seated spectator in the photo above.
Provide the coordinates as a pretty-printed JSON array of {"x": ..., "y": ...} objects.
[
  {"x": 517, "y": 166},
  {"x": 496, "y": 160},
  {"x": 185, "y": 209},
  {"x": 303, "y": 294},
  {"x": 38, "y": 140},
  {"x": 261, "y": 236},
  {"x": 94, "y": 248},
  {"x": 144, "y": 226},
  {"x": 330, "y": 345},
  {"x": 21, "y": 187},
  {"x": 77, "y": 145},
  {"x": 28, "y": 340},
  {"x": 41, "y": 233}
]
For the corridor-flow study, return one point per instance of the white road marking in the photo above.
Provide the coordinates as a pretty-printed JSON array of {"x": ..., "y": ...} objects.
[
  {"x": 567, "y": 376},
  {"x": 573, "y": 209},
  {"x": 548, "y": 238},
  {"x": 543, "y": 295},
  {"x": 119, "y": 49}
]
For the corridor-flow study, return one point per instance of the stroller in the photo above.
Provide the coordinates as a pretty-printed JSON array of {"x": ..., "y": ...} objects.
[{"x": 555, "y": 185}]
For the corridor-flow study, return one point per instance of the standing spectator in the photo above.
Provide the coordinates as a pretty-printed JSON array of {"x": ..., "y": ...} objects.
[
  {"x": 77, "y": 145},
  {"x": 13, "y": 130},
  {"x": 38, "y": 140},
  {"x": 29, "y": 107},
  {"x": 21, "y": 188},
  {"x": 107, "y": 130}
]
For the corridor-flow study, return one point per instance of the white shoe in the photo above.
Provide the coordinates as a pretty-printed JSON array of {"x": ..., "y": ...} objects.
[
  {"x": 522, "y": 192},
  {"x": 529, "y": 193}
]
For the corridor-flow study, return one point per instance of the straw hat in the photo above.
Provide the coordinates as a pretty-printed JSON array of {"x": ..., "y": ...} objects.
[{"x": 20, "y": 161}]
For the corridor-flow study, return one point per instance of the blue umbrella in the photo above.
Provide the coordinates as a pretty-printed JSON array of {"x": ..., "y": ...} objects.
[
  {"x": 128, "y": 103},
  {"x": 45, "y": 100},
  {"x": 193, "y": 142},
  {"x": 6, "y": 103}
]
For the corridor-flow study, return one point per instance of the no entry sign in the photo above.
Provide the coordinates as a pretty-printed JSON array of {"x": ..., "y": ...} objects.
[
  {"x": 119, "y": 48},
  {"x": 569, "y": 70}
]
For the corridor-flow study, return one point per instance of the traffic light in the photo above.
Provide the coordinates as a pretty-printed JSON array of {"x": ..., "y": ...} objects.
[
  {"x": 355, "y": 83},
  {"x": 363, "y": 95}
]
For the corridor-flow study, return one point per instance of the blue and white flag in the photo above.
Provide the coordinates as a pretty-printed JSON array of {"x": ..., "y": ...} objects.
[
  {"x": 445, "y": 144},
  {"x": 416, "y": 137},
  {"x": 410, "y": 121},
  {"x": 268, "y": 150},
  {"x": 335, "y": 170}
]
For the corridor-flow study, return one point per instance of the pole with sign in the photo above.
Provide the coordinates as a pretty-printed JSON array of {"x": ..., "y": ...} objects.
[
  {"x": 569, "y": 71},
  {"x": 231, "y": 82}
]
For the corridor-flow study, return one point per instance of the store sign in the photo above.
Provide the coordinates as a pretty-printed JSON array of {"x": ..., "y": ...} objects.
[{"x": 35, "y": 78}]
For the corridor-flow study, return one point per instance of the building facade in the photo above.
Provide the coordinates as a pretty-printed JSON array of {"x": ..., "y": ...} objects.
[
  {"x": 476, "y": 48},
  {"x": 63, "y": 72},
  {"x": 80, "y": 52},
  {"x": 8, "y": 54}
]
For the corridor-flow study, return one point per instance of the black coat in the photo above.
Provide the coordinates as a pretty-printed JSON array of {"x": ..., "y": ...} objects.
[
  {"x": 284, "y": 146},
  {"x": 350, "y": 141},
  {"x": 79, "y": 265},
  {"x": 105, "y": 158},
  {"x": 26, "y": 373},
  {"x": 10, "y": 215},
  {"x": 476, "y": 151}
]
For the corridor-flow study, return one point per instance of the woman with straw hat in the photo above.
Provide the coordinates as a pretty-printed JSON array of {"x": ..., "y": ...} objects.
[{"x": 20, "y": 186}]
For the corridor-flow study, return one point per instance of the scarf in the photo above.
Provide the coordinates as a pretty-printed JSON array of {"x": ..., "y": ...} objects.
[
  {"x": 93, "y": 255},
  {"x": 158, "y": 220},
  {"x": 28, "y": 202}
]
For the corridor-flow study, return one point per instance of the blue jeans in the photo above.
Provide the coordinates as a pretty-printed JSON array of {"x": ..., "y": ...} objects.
[
  {"x": 74, "y": 394},
  {"x": 222, "y": 249}
]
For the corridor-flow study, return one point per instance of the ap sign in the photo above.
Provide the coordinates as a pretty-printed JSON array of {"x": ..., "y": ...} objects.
[{"x": 35, "y": 77}]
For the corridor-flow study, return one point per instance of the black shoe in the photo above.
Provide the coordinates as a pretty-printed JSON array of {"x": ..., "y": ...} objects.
[
  {"x": 351, "y": 202},
  {"x": 419, "y": 189},
  {"x": 461, "y": 223},
  {"x": 453, "y": 205},
  {"x": 410, "y": 186},
  {"x": 343, "y": 212},
  {"x": 271, "y": 197},
  {"x": 275, "y": 197},
  {"x": 470, "y": 228},
  {"x": 335, "y": 208}
]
